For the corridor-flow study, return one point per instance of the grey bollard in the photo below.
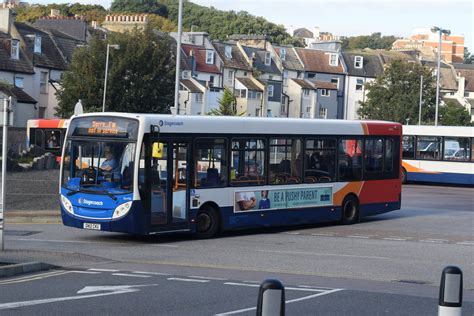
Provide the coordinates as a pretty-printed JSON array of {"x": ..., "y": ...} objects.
[
  {"x": 450, "y": 292},
  {"x": 271, "y": 298}
]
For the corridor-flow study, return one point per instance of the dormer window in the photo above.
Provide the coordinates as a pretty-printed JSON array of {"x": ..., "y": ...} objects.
[
  {"x": 283, "y": 54},
  {"x": 268, "y": 59},
  {"x": 358, "y": 62},
  {"x": 15, "y": 49},
  {"x": 209, "y": 57},
  {"x": 37, "y": 48},
  {"x": 333, "y": 60},
  {"x": 228, "y": 52}
]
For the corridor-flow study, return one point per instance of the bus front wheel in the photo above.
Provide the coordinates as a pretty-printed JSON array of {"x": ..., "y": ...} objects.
[
  {"x": 207, "y": 223},
  {"x": 350, "y": 210}
]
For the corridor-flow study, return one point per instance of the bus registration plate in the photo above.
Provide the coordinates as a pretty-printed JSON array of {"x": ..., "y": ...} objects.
[{"x": 93, "y": 226}]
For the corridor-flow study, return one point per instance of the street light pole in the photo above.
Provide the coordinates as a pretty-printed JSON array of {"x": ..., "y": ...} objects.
[
  {"x": 115, "y": 46},
  {"x": 178, "y": 58},
  {"x": 421, "y": 99},
  {"x": 441, "y": 31},
  {"x": 6, "y": 109}
]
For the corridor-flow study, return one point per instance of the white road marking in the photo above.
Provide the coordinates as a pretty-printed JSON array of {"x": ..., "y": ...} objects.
[
  {"x": 259, "y": 282},
  {"x": 34, "y": 277},
  {"x": 103, "y": 270},
  {"x": 323, "y": 234},
  {"x": 84, "y": 272},
  {"x": 110, "y": 290},
  {"x": 204, "y": 277},
  {"x": 242, "y": 284},
  {"x": 132, "y": 275},
  {"x": 321, "y": 254},
  {"x": 395, "y": 238},
  {"x": 358, "y": 236},
  {"x": 287, "y": 302},
  {"x": 468, "y": 243},
  {"x": 152, "y": 273},
  {"x": 293, "y": 233},
  {"x": 188, "y": 280},
  {"x": 436, "y": 241},
  {"x": 164, "y": 245}
]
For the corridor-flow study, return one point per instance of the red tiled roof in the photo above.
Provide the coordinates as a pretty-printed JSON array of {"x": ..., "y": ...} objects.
[
  {"x": 318, "y": 61},
  {"x": 199, "y": 53}
]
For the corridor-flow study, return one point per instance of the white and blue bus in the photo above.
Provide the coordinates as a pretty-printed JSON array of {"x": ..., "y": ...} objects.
[
  {"x": 440, "y": 154},
  {"x": 148, "y": 174}
]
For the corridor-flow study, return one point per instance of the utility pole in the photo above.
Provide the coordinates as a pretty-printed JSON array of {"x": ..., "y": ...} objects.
[{"x": 421, "y": 99}]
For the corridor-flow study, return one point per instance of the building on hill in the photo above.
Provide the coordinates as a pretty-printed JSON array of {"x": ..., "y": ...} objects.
[
  {"x": 33, "y": 60},
  {"x": 75, "y": 27},
  {"x": 122, "y": 23},
  {"x": 362, "y": 67},
  {"x": 326, "y": 70},
  {"x": 316, "y": 39},
  {"x": 452, "y": 46}
]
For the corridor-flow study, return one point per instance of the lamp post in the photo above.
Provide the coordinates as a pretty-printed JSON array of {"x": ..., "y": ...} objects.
[
  {"x": 114, "y": 46},
  {"x": 178, "y": 57},
  {"x": 441, "y": 31}
]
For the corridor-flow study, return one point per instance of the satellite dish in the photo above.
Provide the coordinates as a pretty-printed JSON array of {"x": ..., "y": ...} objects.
[{"x": 78, "y": 108}]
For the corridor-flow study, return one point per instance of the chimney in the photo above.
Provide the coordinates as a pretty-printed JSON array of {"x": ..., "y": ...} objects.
[
  {"x": 316, "y": 32},
  {"x": 6, "y": 20},
  {"x": 54, "y": 13}
]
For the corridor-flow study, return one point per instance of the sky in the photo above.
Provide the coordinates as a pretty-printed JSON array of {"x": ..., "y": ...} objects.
[{"x": 350, "y": 17}]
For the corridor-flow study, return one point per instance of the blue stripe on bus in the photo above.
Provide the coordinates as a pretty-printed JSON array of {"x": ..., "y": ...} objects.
[
  {"x": 445, "y": 177},
  {"x": 137, "y": 222}
]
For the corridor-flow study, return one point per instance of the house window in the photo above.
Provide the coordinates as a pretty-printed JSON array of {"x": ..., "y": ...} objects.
[
  {"x": 37, "y": 48},
  {"x": 358, "y": 62},
  {"x": 306, "y": 92},
  {"x": 270, "y": 90},
  {"x": 228, "y": 52},
  {"x": 43, "y": 82},
  {"x": 211, "y": 81},
  {"x": 311, "y": 76},
  {"x": 19, "y": 82},
  {"x": 268, "y": 58},
  {"x": 198, "y": 97},
  {"x": 285, "y": 74},
  {"x": 230, "y": 78},
  {"x": 323, "y": 113},
  {"x": 243, "y": 93},
  {"x": 15, "y": 50},
  {"x": 335, "y": 81},
  {"x": 283, "y": 54},
  {"x": 359, "y": 85},
  {"x": 333, "y": 59},
  {"x": 209, "y": 57},
  {"x": 325, "y": 92},
  {"x": 185, "y": 75}
]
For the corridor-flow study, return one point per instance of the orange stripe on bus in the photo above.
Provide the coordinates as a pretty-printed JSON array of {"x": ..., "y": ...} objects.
[{"x": 351, "y": 187}]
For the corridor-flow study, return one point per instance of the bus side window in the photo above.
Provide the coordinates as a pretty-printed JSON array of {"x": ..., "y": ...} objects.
[
  {"x": 408, "y": 147},
  {"x": 210, "y": 162},
  {"x": 350, "y": 160}
]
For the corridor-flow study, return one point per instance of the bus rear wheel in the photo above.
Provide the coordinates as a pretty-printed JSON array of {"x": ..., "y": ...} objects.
[
  {"x": 350, "y": 210},
  {"x": 207, "y": 223}
]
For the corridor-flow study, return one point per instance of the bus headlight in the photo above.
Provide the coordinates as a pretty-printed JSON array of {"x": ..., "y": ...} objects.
[
  {"x": 121, "y": 210},
  {"x": 67, "y": 204}
]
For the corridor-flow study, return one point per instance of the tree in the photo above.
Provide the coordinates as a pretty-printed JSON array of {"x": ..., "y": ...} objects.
[
  {"x": 454, "y": 114},
  {"x": 468, "y": 57},
  {"x": 374, "y": 41},
  {"x": 140, "y": 77},
  {"x": 226, "y": 105},
  {"x": 140, "y": 6},
  {"x": 394, "y": 96}
]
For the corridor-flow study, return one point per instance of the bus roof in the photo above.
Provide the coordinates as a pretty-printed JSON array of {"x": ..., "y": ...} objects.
[
  {"x": 254, "y": 125},
  {"x": 47, "y": 123},
  {"x": 423, "y": 130}
]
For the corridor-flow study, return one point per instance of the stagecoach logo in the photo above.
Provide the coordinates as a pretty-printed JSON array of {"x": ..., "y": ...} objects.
[
  {"x": 89, "y": 202},
  {"x": 171, "y": 123}
]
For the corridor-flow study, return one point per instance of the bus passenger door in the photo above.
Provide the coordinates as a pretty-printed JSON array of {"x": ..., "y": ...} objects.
[
  {"x": 169, "y": 183},
  {"x": 180, "y": 182}
]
